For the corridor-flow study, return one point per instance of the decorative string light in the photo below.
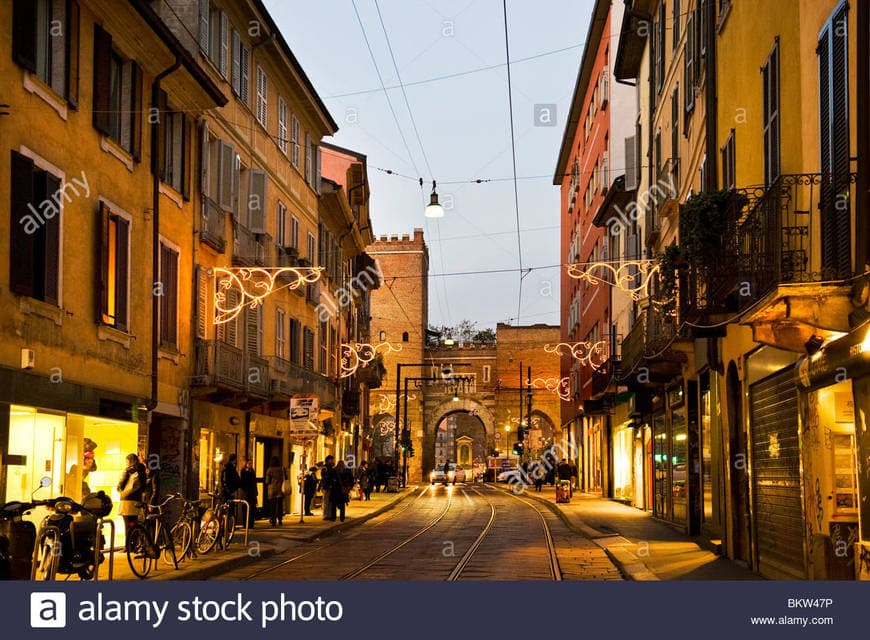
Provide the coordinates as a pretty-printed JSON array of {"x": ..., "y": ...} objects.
[
  {"x": 361, "y": 354},
  {"x": 387, "y": 403},
  {"x": 560, "y": 386},
  {"x": 583, "y": 352},
  {"x": 634, "y": 283},
  {"x": 254, "y": 284}
]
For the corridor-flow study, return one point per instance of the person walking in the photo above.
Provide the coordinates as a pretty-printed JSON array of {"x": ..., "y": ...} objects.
[
  {"x": 365, "y": 481},
  {"x": 329, "y": 485},
  {"x": 564, "y": 473},
  {"x": 309, "y": 489},
  {"x": 248, "y": 484},
  {"x": 343, "y": 486},
  {"x": 130, "y": 487},
  {"x": 229, "y": 481},
  {"x": 151, "y": 489},
  {"x": 573, "y": 466},
  {"x": 273, "y": 481}
]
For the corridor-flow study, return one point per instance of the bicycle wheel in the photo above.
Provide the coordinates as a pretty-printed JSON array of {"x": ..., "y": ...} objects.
[
  {"x": 138, "y": 551},
  {"x": 229, "y": 529},
  {"x": 166, "y": 544},
  {"x": 208, "y": 536},
  {"x": 182, "y": 535},
  {"x": 46, "y": 567}
]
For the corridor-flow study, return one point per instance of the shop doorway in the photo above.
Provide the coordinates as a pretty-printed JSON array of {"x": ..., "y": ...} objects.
[{"x": 264, "y": 449}]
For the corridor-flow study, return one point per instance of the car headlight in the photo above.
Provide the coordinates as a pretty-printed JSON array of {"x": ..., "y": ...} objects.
[
  {"x": 431, "y": 475},
  {"x": 451, "y": 474}
]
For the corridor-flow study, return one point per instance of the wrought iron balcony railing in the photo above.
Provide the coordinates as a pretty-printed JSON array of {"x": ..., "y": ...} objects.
[
  {"x": 213, "y": 226},
  {"x": 219, "y": 364}
]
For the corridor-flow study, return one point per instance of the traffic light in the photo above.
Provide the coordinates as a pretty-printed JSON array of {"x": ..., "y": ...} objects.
[
  {"x": 520, "y": 434},
  {"x": 518, "y": 448}
]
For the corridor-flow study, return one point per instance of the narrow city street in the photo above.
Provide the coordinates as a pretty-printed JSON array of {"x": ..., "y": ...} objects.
[{"x": 462, "y": 532}]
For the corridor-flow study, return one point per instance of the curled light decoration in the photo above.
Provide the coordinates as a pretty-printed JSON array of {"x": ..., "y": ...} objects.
[
  {"x": 636, "y": 284},
  {"x": 560, "y": 386},
  {"x": 387, "y": 403},
  {"x": 360, "y": 355},
  {"x": 254, "y": 284},
  {"x": 589, "y": 353}
]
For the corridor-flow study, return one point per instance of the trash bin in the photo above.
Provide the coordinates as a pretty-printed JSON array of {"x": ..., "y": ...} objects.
[
  {"x": 392, "y": 484},
  {"x": 563, "y": 491}
]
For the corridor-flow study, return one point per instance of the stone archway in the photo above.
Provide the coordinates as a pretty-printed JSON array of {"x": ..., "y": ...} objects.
[{"x": 441, "y": 412}]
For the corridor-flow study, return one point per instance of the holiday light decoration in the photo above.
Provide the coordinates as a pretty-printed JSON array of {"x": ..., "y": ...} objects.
[
  {"x": 589, "y": 353},
  {"x": 631, "y": 276},
  {"x": 560, "y": 386},
  {"x": 254, "y": 284},
  {"x": 361, "y": 354},
  {"x": 387, "y": 403}
]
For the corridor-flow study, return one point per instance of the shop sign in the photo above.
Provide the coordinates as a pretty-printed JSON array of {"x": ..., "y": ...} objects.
[{"x": 304, "y": 407}]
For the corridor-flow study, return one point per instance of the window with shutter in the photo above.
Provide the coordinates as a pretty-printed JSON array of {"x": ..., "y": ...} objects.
[
  {"x": 169, "y": 297},
  {"x": 236, "y": 66},
  {"x": 224, "y": 53},
  {"x": 294, "y": 232},
  {"x": 280, "y": 328},
  {"x": 244, "y": 66},
  {"x": 253, "y": 318},
  {"x": 204, "y": 301},
  {"x": 102, "y": 80},
  {"x": 22, "y": 251},
  {"x": 281, "y": 225},
  {"x": 834, "y": 135},
  {"x": 729, "y": 179},
  {"x": 43, "y": 49},
  {"x": 689, "y": 67},
  {"x": 282, "y": 124},
  {"x": 308, "y": 159},
  {"x": 257, "y": 181},
  {"x": 226, "y": 176},
  {"x": 114, "y": 268},
  {"x": 324, "y": 349},
  {"x": 770, "y": 80},
  {"x": 630, "y": 164},
  {"x": 228, "y": 332},
  {"x": 676, "y": 25},
  {"x": 262, "y": 96},
  {"x": 294, "y": 141},
  {"x": 295, "y": 341},
  {"x": 204, "y": 31},
  {"x": 308, "y": 356}
]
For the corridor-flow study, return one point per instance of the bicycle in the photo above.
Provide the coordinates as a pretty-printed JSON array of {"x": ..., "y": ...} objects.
[
  {"x": 145, "y": 549},
  {"x": 185, "y": 530},
  {"x": 218, "y": 525}
]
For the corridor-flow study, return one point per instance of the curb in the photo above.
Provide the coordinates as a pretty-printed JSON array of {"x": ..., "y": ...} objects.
[{"x": 235, "y": 562}]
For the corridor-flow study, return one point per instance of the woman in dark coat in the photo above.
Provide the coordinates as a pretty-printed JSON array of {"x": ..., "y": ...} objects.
[{"x": 274, "y": 478}]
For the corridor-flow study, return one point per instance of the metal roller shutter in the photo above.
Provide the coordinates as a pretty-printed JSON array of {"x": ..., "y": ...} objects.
[{"x": 776, "y": 477}]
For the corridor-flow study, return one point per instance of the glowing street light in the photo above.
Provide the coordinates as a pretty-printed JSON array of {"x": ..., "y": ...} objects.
[{"x": 433, "y": 209}]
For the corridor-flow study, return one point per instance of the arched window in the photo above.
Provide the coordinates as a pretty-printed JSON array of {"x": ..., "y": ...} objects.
[
  {"x": 382, "y": 335},
  {"x": 405, "y": 336}
]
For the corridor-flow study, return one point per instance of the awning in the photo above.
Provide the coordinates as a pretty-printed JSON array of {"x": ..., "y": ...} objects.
[{"x": 844, "y": 358}]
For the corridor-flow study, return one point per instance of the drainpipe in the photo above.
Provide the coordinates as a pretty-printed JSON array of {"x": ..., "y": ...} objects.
[{"x": 155, "y": 235}]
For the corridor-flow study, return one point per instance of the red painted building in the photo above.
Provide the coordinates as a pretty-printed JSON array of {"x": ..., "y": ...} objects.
[{"x": 584, "y": 175}]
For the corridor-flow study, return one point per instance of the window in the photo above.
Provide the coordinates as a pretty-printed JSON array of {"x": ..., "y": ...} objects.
[
  {"x": 294, "y": 232},
  {"x": 282, "y": 125},
  {"x": 281, "y": 224},
  {"x": 117, "y": 95},
  {"x": 252, "y": 206},
  {"x": 228, "y": 332},
  {"x": 312, "y": 251},
  {"x": 173, "y": 157},
  {"x": 214, "y": 35},
  {"x": 309, "y": 160},
  {"x": 45, "y": 41},
  {"x": 36, "y": 208},
  {"x": 770, "y": 79},
  {"x": 689, "y": 65},
  {"x": 333, "y": 352},
  {"x": 834, "y": 132},
  {"x": 254, "y": 330},
  {"x": 114, "y": 268},
  {"x": 262, "y": 96},
  {"x": 729, "y": 179},
  {"x": 294, "y": 141},
  {"x": 280, "y": 339},
  {"x": 308, "y": 346},
  {"x": 676, "y": 26},
  {"x": 405, "y": 336},
  {"x": 168, "y": 279},
  {"x": 487, "y": 373},
  {"x": 295, "y": 341},
  {"x": 675, "y": 136},
  {"x": 660, "y": 48},
  {"x": 324, "y": 349},
  {"x": 241, "y": 64}
]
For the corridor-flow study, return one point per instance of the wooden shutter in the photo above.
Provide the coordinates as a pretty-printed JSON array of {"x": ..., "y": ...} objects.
[
  {"x": 226, "y": 169},
  {"x": 21, "y": 243},
  {"x": 122, "y": 273},
  {"x": 630, "y": 164},
  {"x": 102, "y": 80},
  {"x": 169, "y": 300},
  {"x": 317, "y": 176},
  {"x": 252, "y": 330},
  {"x": 224, "y": 48},
  {"x": 136, "y": 111},
  {"x": 236, "y": 66},
  {"x": 24, "y": 33},
  {"x": 186, "y": 162},
  {"x": 204, "y": 160},
  {"x": 204, "y": 301},
  {"x": 72, "y": 54},
  {"x": 47, "y": 185},
  {"x": 102, "y": 259},
  {"x": 689, "y": 67},
  {"x": 203, "y": 26},
  {"x": 257, "y": 201},
  {"x": 244, "y": 65}
]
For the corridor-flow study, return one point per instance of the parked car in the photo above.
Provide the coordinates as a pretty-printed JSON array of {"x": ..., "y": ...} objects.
[
  {"x": 510, "y": 475},
  {"x": 454, "y": 474}
]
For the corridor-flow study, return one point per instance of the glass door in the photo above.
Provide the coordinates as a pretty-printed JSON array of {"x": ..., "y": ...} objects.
[{"x": 37, "y": 443}]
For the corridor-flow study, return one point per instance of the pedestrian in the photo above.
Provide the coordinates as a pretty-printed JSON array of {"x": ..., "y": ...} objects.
[
  {"x": 564, "y": 473},
  {"x": 130, "y": 488},
  {"x": 229, "y": 478},
  {"x": 551, "y": 476},
  {"x": 274, "y": 481},
  {"x": 378, "y": 475},
  {"x": 328, "y": 485},
  {"x": 342, "y": 488},
  {"x": 151, "y": 489},
  {"x": 248, "y": 484},
  {"x": 373, "y": 475},
  {"x": 365, "y": 485},
  {"x": 573, "y": 466},
  {"x": 309, "y": 489}
]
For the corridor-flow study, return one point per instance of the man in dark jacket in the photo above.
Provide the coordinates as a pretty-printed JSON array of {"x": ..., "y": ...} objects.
[
  {"x": 564, "y": 472},
  {"x": 309, "y": 489},
  {"x": 329, "y": 485},
  {"x": 229, "y": 478}
]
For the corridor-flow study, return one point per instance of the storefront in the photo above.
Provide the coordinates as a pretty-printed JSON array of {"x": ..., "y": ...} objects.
[
  {"x": 221, "y": 432},
  {"x": 81, "y": 454},
  {"x": 629, "y": 441},
  {"x": 670, "y": 456},
  {"x": 593, "y": 429}
]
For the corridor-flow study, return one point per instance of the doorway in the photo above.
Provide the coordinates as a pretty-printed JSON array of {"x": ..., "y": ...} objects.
[
  {"x": 739, "y": 459},
  {"x": 264, "y": 449}
]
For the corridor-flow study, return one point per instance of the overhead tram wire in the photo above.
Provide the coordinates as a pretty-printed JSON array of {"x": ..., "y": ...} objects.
[{"x": 514, "y": 159}]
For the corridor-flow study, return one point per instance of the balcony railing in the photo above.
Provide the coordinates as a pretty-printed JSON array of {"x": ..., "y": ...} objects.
[
  {"x": 213, "y": 226},
  {"x": 634, "y": 343},
  {"x": 250, "y": 249},
  {"x": 257, "y": 375},
  {"x": 606, "y": 375},
  {"x": 219, "y": 364},
  {"x": 769, "y": 240}
]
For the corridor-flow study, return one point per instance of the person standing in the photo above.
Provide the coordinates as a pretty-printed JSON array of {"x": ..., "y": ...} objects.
[
  {"x": 365, "y": 483},
  {"x": 273, "y": 481},
  {"x": 309, "y": 489},
  {"x": 130, "y": 488},
  {"x": 248, "y": 481},
  {"x": 229, "y": 482},
  {"x": 328, "y": 485},
  {"x": 564, "y": 473},
  {"x": 343, "y": 486},
  {"x": 151, "y": 489},
  {"x": 573, "y": 466}
]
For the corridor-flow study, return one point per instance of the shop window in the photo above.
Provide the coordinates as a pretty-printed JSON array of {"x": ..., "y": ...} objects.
[
  {"x": 214, "y": 448},
  {"x": 845, "y": 474}
]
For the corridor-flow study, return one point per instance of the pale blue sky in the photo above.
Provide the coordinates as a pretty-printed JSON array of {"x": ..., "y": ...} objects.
[{"x": 464, "y": 127}]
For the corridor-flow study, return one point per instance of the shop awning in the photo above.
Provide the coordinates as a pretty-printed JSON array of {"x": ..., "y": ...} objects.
[{"x": 844, "y": 358}]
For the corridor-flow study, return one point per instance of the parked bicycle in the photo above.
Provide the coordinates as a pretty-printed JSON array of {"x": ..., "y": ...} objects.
[
  {"x": 218, "y": 525},
  {"x": 145, "y": 548},
  {"x": 186, "y": 530}
]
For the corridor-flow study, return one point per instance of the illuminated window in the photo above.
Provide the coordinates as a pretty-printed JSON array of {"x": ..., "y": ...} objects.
[{"x": 114, "y": 271}]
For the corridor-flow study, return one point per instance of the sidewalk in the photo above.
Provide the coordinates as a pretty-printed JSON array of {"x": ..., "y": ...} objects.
[
  {"x": 264, "y": 541},
  {"x": 642, "y": 547}
]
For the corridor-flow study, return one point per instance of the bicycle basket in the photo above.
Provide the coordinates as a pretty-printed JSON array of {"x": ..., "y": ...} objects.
[{"x": 98, "y": 503}]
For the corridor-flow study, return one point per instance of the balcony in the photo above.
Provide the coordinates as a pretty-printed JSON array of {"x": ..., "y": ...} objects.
[
  {"x": 251, "y": 249},
  {"x": 604, "y": 378},
  {"x": 786, "y": 251},
  {"x": 666, "y": 191},
  {"x": 213, "y": 230},
  {"x": 257, "y": 382},
  {"x": 634, "y": 343},
  {"x": 285, "y": 379},
  {"x": 219, "y": 365}
]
